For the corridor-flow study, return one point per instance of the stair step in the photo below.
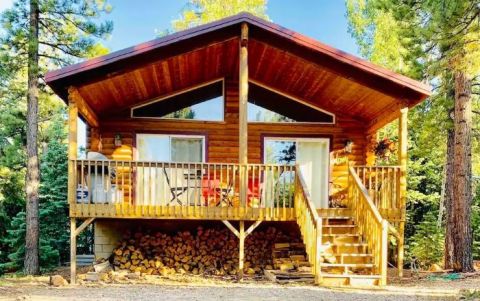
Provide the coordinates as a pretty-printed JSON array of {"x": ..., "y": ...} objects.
[
  {"x": 336, "y": 217},
  {"x": 349, "y": 280},
  {"x": 338, "y": 229},
  {"x": 349, "y": 247},
  {"x": 341, "y": 234},
  {"x": 347, "y": 257},
  {"x": 345, "y": 237},
  {"x": 333, "y": 212},
  {"x": 338, "y": 220},
  {"x": 348, "y": 268},
  {"x": 349, "y": 265}
]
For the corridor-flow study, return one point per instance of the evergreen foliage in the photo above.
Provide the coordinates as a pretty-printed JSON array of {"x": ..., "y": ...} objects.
[
  {"x": 427, "y": 244},
  {"x": 68, "y": 30},
  {"x": 53, "y": 209},
  {"x": 428, "y": 40},
  {"x": 198, "y": 12}
]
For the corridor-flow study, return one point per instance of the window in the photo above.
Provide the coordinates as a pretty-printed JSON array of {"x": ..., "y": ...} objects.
[
  {"x": 268, "y": 105},
  {"x": 204, "y": 102},
  {"x": 153, "y": 184},
  {"x": 170, "y": 148}
]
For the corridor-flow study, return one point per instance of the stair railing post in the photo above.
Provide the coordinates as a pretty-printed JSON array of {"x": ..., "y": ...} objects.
[
  {"x": 384, "y": 252},
  {"x": 318, "y": 251}
]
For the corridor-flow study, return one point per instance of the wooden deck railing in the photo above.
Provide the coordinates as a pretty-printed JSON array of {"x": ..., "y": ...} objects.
[
  {"x": 383, "y": 186},
  {"x": 140, "y": 189},
  {"x": 310, "y": 224},
  {"x": 371, "y": 225}
]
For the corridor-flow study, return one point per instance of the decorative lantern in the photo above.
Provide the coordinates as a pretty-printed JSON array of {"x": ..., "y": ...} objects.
[
  {"x": 348, "y": 146},
  {"x": 118, "y": 140}
]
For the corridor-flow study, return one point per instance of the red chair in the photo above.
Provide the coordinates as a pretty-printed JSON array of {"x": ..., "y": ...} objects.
[{"x": 254, "y": 193}]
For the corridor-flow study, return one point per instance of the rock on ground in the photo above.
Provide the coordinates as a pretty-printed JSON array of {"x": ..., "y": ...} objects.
[{"x": 57, "y": 280}]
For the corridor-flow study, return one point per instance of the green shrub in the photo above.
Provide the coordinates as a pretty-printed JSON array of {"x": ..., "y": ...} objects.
[
  {"x": 427, "y": 245},
  {"x": 476, "y": 221},
  {"x": 49, "y": 257}
]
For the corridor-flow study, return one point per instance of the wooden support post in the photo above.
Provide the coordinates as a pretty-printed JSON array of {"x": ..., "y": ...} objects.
[
  {"x": 73, "y": 251},
  {"x": 402, "y": 189},
  {"x": 318, "y": 251},
  {"x": 72, "y": 146},
  {"x": 241, "y": 234},
  {"x": 84, "y": 109},
  {"x": 74, "y": 232},
  {"x": 384, "y": 253},
  {"x": 243, "y": 113},
  {"x": 370, "y": 157},
  {"x": 241, "y": 249}
]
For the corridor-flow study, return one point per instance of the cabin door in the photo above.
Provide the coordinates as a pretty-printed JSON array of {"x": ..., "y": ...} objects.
[{"x": 311, "y": 155}]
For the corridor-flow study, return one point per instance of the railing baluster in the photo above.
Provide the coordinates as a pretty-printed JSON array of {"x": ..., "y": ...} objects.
[
  {"x": 82, "y": 181},
  {"x": 216, "y": 185}
]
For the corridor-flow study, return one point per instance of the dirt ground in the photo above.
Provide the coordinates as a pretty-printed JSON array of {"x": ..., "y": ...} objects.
[{"x": 413, "y": 287}]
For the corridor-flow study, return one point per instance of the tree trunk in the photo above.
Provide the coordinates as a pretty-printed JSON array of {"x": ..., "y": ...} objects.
[
  {"x": 448, "y": 201},
  {"x": 462, "y": 175},
  {"x": 33, "y": 173}
]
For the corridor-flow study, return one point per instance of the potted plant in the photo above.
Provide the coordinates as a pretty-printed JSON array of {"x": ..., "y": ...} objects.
[{"x": 384, "y": 148}]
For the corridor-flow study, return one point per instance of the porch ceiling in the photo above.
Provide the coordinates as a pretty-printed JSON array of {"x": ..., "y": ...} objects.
[{"x": 287, "y": 61}]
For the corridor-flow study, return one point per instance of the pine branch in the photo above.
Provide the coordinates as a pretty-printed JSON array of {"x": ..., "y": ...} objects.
[
  {"x": 64, "y": 62},
  {"x": 68, "y": 51}
]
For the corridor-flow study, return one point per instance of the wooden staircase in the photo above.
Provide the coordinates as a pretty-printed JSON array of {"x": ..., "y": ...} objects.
[
  {"x": 345, "y": 258},
  {"x": 345, "y": 247}
]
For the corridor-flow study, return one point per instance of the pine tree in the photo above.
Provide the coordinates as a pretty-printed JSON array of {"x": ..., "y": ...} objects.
[
  {"x": 46, "y": 33},
  {"x": 53, "y": 207},
  {"x": 439, "y": 40},
  {"x": 54, "y": 222}
]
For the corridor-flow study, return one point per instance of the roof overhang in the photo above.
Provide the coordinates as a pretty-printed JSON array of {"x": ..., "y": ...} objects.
[{"x": 283, "y": 59}]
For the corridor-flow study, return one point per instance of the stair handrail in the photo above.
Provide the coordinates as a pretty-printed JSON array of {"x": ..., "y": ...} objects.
[
  {"x": 370, "y": 223},
  {"x": 309, "y": 222}
]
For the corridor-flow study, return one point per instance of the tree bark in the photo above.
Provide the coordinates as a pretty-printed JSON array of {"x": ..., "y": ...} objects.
[
  {"x": 448, "y": 201},
  {"x": 462, "y": 176},
  {"x": 31, "y": 263}
]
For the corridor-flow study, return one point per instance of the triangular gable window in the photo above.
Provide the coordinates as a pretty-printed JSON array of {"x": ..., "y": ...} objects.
[
  {"x": 266, "y": 105},
  {"x": 203, "y": 102}
]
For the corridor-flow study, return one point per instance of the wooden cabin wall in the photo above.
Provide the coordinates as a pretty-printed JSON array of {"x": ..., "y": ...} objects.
[{"x": 222, "y": 137}]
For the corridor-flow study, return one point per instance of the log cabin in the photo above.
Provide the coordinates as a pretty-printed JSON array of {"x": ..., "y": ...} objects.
[{"x": 242, "y": 121}]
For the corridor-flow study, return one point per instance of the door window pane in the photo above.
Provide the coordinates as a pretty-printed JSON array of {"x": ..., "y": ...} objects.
[
  {"x": 153, "y": 148},
  {"x": 187, "y": 149},
  {"x": 280, "y": 152}
]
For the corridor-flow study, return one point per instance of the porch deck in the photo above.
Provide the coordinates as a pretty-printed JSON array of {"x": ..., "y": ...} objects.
[
  {"x": 160, "y": 190},
  {"x": 210, "y": 191}
]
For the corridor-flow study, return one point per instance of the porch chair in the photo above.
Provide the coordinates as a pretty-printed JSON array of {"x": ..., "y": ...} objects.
[{"x": 181, "y": 184}]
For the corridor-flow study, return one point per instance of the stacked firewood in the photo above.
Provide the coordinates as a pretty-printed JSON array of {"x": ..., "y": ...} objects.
[{"x": 212, "y": 251}]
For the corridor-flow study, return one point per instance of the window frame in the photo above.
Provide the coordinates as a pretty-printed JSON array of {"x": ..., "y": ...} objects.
[
  {"x": 222, "y": 119},
  {"x": 170, "y": 136},
  {"x": 296, "y": 139},
  {"x": 294, "y": 99}
]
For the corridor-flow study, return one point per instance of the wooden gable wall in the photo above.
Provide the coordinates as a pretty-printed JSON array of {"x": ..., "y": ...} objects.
[{"x": 222, "y": 137}]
